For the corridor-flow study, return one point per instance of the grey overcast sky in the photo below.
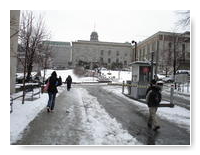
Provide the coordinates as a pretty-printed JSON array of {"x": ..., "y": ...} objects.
[{"x": 112, "y": 26}]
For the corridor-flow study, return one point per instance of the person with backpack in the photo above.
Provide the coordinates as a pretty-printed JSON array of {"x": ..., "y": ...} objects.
[
  {"x": 153, "y": 98},
  {"x": 53, "y": 82}
]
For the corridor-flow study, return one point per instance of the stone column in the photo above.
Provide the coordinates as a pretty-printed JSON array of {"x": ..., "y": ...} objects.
[{"x": 14, "y": 29}]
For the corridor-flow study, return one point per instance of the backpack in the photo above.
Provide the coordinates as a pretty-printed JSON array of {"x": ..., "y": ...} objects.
[{"x": 153, "y": 98}]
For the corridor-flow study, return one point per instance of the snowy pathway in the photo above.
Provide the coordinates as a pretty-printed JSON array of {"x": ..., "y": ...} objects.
[{"x": 87, "y": 123}]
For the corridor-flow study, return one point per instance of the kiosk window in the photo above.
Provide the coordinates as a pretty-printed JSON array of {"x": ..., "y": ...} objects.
[{"x": 145, "y": 73}]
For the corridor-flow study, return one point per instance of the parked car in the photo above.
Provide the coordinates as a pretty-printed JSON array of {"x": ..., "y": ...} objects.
[
  {"x": 183, "y": 72},
  {"x": 160, "y": 77},
  {"x": 169, "y": 79},
  {"x": 103, "y": 69}
]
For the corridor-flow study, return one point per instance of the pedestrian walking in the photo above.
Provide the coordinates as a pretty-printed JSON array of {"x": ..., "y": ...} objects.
[
  {"x": 153, "y": 98},
  {"x": 53, "y": 83},
  {"x": 69, "y": 82},
  {"x": 60, "y": 79}
]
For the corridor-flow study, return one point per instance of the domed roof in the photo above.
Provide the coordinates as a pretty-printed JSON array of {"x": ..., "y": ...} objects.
[
  {"x": 94, "y": 33},
  {"x": 94, "y": 36}
]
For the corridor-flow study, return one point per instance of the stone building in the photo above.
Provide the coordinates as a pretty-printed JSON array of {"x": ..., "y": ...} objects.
[
  {"x": 14, "y": 29},
  {"x": 60, "y": 53},
  {"x": 165, "y": 45},
  {"x": 94, "y": 53}
]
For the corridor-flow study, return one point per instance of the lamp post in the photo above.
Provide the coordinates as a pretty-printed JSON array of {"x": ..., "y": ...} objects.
[
  {"x": 174, "y": 62},
  {"x": 152, "y": 55},
  {"x": 134, "y": 42}
]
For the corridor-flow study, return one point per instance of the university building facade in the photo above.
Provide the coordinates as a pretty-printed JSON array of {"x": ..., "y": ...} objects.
[
  {"x": 60, "y": 54},
  {"x": 94, "y": 53},
  {"x": 167, "y": 48}
]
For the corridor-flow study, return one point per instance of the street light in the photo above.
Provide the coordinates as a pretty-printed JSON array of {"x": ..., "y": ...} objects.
[
  {"x": 134, "y": 42},
  {"x": 152, "y": 55}
]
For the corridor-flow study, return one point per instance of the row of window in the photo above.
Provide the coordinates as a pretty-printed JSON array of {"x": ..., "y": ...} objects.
[
  {"x": 109, "y": 53},
  {"x": 145, "y": 53},
  {"x": 109, "y": 61},
  {"x": 170, "y": 46}
]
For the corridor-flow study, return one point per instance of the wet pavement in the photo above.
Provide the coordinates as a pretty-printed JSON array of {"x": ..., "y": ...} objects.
[
  {"x": 134, "y": 120},
  {"x": 62, "y": 127}
]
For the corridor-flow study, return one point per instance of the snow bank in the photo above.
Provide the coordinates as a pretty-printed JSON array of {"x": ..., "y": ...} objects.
[{"x": 100, "y": 128}]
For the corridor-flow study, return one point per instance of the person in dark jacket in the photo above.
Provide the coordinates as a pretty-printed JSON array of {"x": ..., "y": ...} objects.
[
  {"x": 153, "y": 98},
  {"x": 69, "y": 82},
  {"x": 54, "y": 82}
]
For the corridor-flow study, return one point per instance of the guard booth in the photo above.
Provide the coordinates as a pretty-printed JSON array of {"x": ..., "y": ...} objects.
[{"x": 141, "y": 77}]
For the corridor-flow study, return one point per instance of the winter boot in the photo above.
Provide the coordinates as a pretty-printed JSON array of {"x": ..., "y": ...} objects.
[{"x": 156, "y": 128}]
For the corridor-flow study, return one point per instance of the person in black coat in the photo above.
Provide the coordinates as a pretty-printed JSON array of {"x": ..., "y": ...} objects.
[
  {"x": 69, "y": 82},
  {"x": 54, "y": 82},
  {"x": 153, "y": 98}
]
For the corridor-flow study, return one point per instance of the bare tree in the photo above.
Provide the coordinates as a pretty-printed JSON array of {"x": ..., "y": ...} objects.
[
  {"x": 166, "y": 63},
  {"x": 174, "y": 52},
  {"x": 32, "y": 33},
  {"x": 184, "y": 19},
  {"x": 43, "y": 57}
]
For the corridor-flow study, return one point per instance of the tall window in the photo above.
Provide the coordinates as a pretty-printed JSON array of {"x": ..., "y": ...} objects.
[
  {"x": 117, "y": 60},
  {"x": 170, "y": 45},
  {"x": 109, "y": 52},
  {"x": 101, "y": 52},
  {"x": 183, "y": 47},
  {"x": 183, "y": 51},
  {"x": 143, "y": 53},
  {"x": 109, "y": 60},
  {"x": 148, "y": 51},
  {"x": 140, "y": 54},
  {"x": 117, "y": 53},
  {"x": 101, "y": 60}
]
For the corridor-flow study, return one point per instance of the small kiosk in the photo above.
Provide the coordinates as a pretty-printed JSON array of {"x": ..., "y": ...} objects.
[{"x": 141, "y": 77}]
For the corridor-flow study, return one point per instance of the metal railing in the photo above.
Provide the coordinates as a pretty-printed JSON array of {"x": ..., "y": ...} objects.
[{"x": 30, "y": 90}]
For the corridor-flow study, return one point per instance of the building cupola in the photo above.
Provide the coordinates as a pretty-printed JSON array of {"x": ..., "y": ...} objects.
[{"x": 94, "y": 36}]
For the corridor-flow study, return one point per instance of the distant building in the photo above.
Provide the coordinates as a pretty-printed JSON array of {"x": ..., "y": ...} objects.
[
  {"x": 94, "y": 53},
  {"x": 14, "y": 29},
  {"x": 164, "y": 45},
  {"x": 61, "y": 54}
]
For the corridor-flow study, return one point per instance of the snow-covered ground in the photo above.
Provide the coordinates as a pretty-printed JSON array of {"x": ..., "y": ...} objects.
[{"x": 100, "y": 122}]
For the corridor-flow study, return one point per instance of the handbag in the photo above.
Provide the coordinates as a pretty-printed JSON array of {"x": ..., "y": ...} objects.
[{"x": 46, "y": 87}]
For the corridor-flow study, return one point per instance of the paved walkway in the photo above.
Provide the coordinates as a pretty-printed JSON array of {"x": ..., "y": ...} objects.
[
  {"x": 65, "y": 128},
  {"x": 57, "y": 128}
]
